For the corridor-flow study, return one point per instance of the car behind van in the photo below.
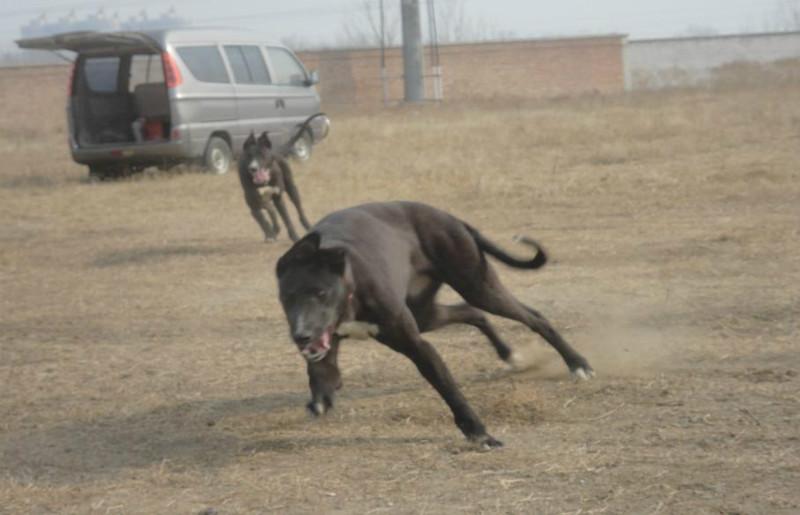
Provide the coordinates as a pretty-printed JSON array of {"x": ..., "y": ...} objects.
[{"x": 166, "y": 97}]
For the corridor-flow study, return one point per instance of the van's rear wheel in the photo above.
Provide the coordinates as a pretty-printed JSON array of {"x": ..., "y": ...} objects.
[
  {"x": 96, "y": 173},
  {"x": 99, "y": 173},
  {"x": 218, "y": 156},
  {"x": 302, "y": 147}
]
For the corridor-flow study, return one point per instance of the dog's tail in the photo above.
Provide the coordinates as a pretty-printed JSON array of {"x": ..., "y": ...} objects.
[
  {"x": 300, "y": 131},
  {"x": 490, "y": 248}
]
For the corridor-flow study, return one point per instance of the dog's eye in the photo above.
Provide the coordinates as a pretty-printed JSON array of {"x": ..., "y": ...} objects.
[{"x": 321, "y": 294}]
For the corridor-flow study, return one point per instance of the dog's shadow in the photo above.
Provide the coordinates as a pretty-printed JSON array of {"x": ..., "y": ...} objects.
[
  {"x": 185, "y": 250},
  {"x": 149, "y": 255},
  {"x": 187, "y": 434},
  {"x": 84, "y": 449},
  {"x": 205, "y": 433}
]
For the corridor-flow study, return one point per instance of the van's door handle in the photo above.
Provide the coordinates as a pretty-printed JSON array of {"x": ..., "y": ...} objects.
[{"x": 280, "y": 104}]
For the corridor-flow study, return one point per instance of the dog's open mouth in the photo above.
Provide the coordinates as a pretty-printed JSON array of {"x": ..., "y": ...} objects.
[
  {"x": 317, "y": 350},
  {"x": 261, "y": 177}
]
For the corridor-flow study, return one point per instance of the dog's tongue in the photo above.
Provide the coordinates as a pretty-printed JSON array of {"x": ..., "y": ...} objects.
[
  {"x": 321, "y": 345},
  {"x": 261, "y": 176}
]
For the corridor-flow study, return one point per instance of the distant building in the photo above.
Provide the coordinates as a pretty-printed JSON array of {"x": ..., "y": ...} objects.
[
  {"x": 142, "y": 22},
  {"x": 100, "y": 21},
  {"x": 40, "y": 26}
]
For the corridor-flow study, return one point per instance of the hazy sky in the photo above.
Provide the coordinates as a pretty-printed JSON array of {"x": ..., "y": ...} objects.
[{"x": 321, "y": 21}]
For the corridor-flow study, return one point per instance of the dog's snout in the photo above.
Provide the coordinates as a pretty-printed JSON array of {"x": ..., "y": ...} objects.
[
  {"x": 252, "y": 166},
  {"x": 302, "y": 339}
]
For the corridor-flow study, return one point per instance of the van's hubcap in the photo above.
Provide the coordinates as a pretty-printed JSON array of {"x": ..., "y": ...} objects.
[
  {"x": 219, "y": 160},
  {"x": 302, "y": 148}
]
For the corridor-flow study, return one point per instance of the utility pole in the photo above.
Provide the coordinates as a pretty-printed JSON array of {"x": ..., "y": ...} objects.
[
  {"x": 384, "y": 74},
  {"x": 412, "y": 51}
]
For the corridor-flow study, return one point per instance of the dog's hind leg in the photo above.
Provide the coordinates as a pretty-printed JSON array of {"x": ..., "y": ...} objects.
[
  {"x": 294, "y": 195},
  {"x": 285, "y": 216},
  {"x": 402, "y": 336},
  {"x": 324, "y": 379},
  {"x": 489, "y": 294},
  {"x": 443, "y": 315}
]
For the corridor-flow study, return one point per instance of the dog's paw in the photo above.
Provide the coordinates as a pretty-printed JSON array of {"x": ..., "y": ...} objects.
[
  {"x": 486, "y": 442},
  {"x": 316, "y": 408},
  {"x": 582, "y": 373},
  {"x": 270, "y": 239}
]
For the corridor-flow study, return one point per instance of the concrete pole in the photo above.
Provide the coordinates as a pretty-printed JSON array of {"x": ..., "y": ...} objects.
[{"x": 412, "y": 51}]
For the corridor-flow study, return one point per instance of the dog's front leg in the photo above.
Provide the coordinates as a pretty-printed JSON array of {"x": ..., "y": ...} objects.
[
  {"x": 324, "y": 379},
  {"x": 255, "y": 204},
  {"x": 273, "y": 216},
  {"x": 404, "y": 338},
  {"x": 285, "y": 215}
]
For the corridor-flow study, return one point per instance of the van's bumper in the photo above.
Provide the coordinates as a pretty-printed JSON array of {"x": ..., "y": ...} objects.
[{"x": 143, "y": 154}]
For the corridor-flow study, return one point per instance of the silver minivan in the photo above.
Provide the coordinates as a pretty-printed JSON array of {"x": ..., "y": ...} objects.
[{"x": 161, "y": 98}]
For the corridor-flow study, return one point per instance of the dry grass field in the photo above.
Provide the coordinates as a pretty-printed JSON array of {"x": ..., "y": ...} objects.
[{"x": 145, "y": 365}]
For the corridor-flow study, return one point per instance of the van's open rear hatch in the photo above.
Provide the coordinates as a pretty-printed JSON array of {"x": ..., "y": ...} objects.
[
  {"x": 119, "y": 88},
  {"x": 90, "y": 42}
]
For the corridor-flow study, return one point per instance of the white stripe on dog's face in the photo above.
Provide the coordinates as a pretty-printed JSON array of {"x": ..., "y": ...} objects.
[
  {"x": 253, "y": 166},
  {"x": 300, "y": 324}
]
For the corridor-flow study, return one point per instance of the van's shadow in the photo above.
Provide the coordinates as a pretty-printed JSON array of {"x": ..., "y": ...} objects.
[{"x": 187, "y": 434}]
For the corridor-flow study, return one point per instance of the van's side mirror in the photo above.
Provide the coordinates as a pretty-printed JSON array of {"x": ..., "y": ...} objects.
[{"x": 313, "y": 78}]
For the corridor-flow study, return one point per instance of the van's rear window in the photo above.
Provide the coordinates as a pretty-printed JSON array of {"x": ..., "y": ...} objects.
[
  {"x": 204, "y": 62},
  {"x": 145, "y": 69},
  {"x": 101, "y": 74}
]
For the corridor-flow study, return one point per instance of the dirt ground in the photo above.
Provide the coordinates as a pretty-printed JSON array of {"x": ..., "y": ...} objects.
[{"x": 145, "y": 365}]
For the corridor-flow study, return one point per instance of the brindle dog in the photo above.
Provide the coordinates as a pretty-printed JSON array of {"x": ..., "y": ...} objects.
[
  {"x": 265, "y": 175},
  {"x": 374, "y": 271}
]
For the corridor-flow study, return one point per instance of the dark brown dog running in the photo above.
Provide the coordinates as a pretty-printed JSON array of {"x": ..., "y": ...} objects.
[
  {"x": 265, "y": 175},
  {"x": 374, "y": 271}
]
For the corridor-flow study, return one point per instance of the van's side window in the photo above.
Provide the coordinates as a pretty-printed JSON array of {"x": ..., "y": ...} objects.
[
  {"x": 288, "y": 72},
  {"x": 102, "y": 74},
  {"x": 205, "y": 63},
  {"x": 247, "y": 64}
]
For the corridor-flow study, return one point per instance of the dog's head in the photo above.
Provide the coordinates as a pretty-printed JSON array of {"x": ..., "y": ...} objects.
[
  {"x": 258, "y": 158},
  {"x": 313, "y": 293}
]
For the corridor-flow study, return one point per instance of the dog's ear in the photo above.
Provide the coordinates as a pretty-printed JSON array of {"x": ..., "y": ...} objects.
[
  {"x": 250, "y": 141},
  {"x": 303, "y": 250},
  {"x": 264, "y": 141},
  {"x": 334, "y": 258}
]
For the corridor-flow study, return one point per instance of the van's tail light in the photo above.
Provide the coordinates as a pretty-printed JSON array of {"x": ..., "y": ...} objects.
[
  {"x": 71, "y": 83},
  {"x": 172, "y": 75}
]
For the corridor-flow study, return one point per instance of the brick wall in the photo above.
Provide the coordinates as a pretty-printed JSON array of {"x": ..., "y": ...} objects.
[{"x": 492, "y": 70}]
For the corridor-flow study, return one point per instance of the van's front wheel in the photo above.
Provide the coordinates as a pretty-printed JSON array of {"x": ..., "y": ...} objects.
[{"x": 218, "y": 156}]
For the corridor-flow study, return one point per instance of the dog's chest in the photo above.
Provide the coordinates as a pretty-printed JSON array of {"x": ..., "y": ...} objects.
[
  {"x": 418, "y": 284},
  {"x": 357, "y": 330},
  {"x": 268, "y": 192}
]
